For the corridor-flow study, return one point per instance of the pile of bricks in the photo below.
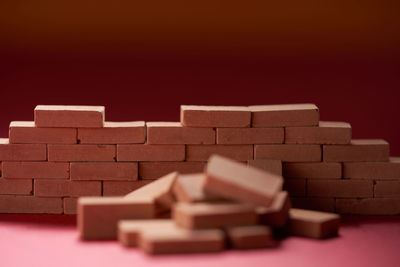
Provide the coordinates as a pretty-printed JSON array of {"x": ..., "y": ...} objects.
[
  {"x": 70, "y": 151},
  {"x": 230, "y": 205}
]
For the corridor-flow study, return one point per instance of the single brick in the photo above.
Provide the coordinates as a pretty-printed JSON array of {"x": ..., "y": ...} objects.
[
  {"x": 271, "y": 165},
  {"x": 70, "y": 205},
  {"x": 313, "y": 224},
  {"x": 373, "y": 170},
  {"x": 358, "y": 150},
  {"x": 215, "y": 116},
  {"x": 35, "y": 170},
  {"x": 368, "y": 206},
  {"x": 327, "y": 170},
  {"x": 203, "y": 152},
  {"x": 213, "y": 215},
  {"x": 339, "y": 188},
  {"x": 189, "y": 188},
  {"x": 81, "y": 152},
  {"x": 284, "y": 115},
  {"x": 30, "y": 204},
  {"x": 114, "y": 133},
  {"x": 15, "y": 187},
  {"x": 154, "y": 170},
  {"x": 327, "y": 132},
  {"x": 150, "y": 152},
  {"x": 320, "y": 204},
  {"x": 21, "y": 152},
  {"x": 288, "y": 153},
  {"x": 25, "y": 132},
  {"x": 170, "y": 133},
  {"x": 237, "y": 181},
  {"x": 104, "y": 171},
  {"x": 250, "y": 237},
  {"x": 277, "y": 214},
  {"x": 243, "y": 136},
  {"x": 387, "y": 189},
  {"x": 69, "y": 116},
  {"x": 121, "y": 188},
  {"x": 65, "y": 188},
  {"x": 296, "y": 187}
]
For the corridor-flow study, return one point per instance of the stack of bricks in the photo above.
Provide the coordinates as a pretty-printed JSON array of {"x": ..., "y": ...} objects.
[{"x": 70, "y": 151}]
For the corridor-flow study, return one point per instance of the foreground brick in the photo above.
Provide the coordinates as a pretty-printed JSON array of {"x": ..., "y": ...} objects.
[
  {"x": 37, "y": 170},
  {"x": 21, "y": 152},
  {"x": 104, "y": 171},
  {"x": 358, "y": 150},
  {"x": 243, "y": 136},
  {"x": 25, "y": 132},
  {"x": 271, "y": 165},
  {"x": 189, "y": 188},
  {"x": 121, "y": 188},
  {"x": 339, "y": 188},
  {"x": 288, "y": 153},
  {"x": 284, "y": 115},
  {"x": 114, "y": 133},
  {"x": 215, "y": 116},
  {"x": 30, "y": 204},
  {"x": 154, "y": 170},
  {"x": 387, "y": 189},
  {"x": 373, "y": 170},
  {"x": 277, "y": 214},
  {"x": 70, "y": 205},
  {"x": 203, "y": 152},
  {"x": 314, "y": 170},
  {"x": 311, "y": 203},
  {"x": 15, "y": 187},
  {"x": 368, "y": 206},
  {"x": 150, "y": 152},
  {"x": 81, "y": 152},
  {"x": 69, "y": 116},
  {"x": 60, "y": 188},
  {"x": 250, "y": 237}
]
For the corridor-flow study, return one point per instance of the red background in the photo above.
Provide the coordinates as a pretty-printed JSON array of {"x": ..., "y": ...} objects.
[{"x": 143, "y": 60}]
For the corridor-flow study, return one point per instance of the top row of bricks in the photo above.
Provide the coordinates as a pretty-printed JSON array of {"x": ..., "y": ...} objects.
[{"x": 191, "y": 116}]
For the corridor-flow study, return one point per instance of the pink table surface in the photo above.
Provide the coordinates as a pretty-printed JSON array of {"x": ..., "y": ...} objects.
[{"x": 52, "y": 240}]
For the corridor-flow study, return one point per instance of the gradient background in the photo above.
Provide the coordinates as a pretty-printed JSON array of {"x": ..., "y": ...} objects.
[{"x": 142, "y": 60}]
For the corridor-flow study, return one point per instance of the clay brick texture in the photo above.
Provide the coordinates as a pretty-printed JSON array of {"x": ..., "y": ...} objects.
[{"x": 69, "y": 152}]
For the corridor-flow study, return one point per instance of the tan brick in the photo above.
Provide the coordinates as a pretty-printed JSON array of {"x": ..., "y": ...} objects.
[
  {"x": 25, "y": 132},
  {"x": 81, "y": 152},
  {"x": 271, "y": 165},
  {"x": 36, "y": 170},
  {"x": 284, "y": 115},
  {"x": 250, "y": 237},
  {"x": 215, "y": 116},
  {"x": 314, "y": 170},
  {"x": 339, "y": 188},
  {"x": 30, "y": 204},
  {"x": 389, "y": 189},
  {"x": 170, "y": 133},
  {"x": 296, "y": 187},
  {"x": 243, "y": 136},
  {"x": 19, "y": 152},
  {"x": 114, "y": 133},
  {"x": 189, "y": 188},
  {"x": 63, "y": 188},
  {"x": 70, "y": 205},
  {"x": 277, "y": 214},
  {"x": 368, "y": 206},
  {"x": 121, "y": 188},
  {"x": 327, "y": 132},
  {"x": 373, "y": 170},
  {"x": 154, "y": 170},
  {"x": 288, "y": 153},
  {"x": 313, "y": 203},
  {"x": 150, "y": 152},
  {"x": 104, "y": 171},
  {"x": 203, "y": 152},
  {"x": 69, "y": 116},
  {"x": 358, "y": 150},
  {"x": 15, "y": 187}
]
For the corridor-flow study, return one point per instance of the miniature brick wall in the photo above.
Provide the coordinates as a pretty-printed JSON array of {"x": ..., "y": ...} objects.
[{"x": 70, "y": 151}]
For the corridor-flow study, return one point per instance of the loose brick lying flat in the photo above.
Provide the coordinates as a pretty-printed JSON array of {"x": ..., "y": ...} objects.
[
  {"x": 37, "y": 170},
  {"x": 387, "y": 189},
  {"x": 358, "y": 150},
  {"x": 114, "y": 133},
  {"x": 296, "y": 187},
  {"x": 154, "y": 170},
  {"x": 60, "y": 188},
  {"x": 339, "y": 188},
  {"x": 288, "y": 153},
  {"x": 313, "y": 224},
  {"x": 203, "y": 152},
  {"x": 170, "y": 133},
  {"x": 250, "y": 135},
  {"x": 311, "y": 203},
  {"x": 215, "y": 116},
  {"x": 250, "y": 237},
  {"x": 271, "y": 165},
  {"x": 213, "y": 215},
  {"x": 277, "y": 214},
  {"x": 368, "y": 206},
  {"x": 70, "y": 205},
  {"x": 150, "y": 152},
  {"x": 15, "y": 187},
  {"x": 189, "y": 188},
  {"x": 81, "y": 152},
  {"x": 373, "y": 170},
  {"x": 21, "y": 152},
  {"x": 25, "y": 132},
  {"x": 233, "y": 180},
  {"x": 284, "y": 115},
  {"x": 104, "y": 171},
  {"x": 327, "y": 132},
  {"x": 121, "y": 188},
  {"x": 69, "y": 116},
  {"x": 327, "y": 170},
  {"x": 30, "y": 204}
]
